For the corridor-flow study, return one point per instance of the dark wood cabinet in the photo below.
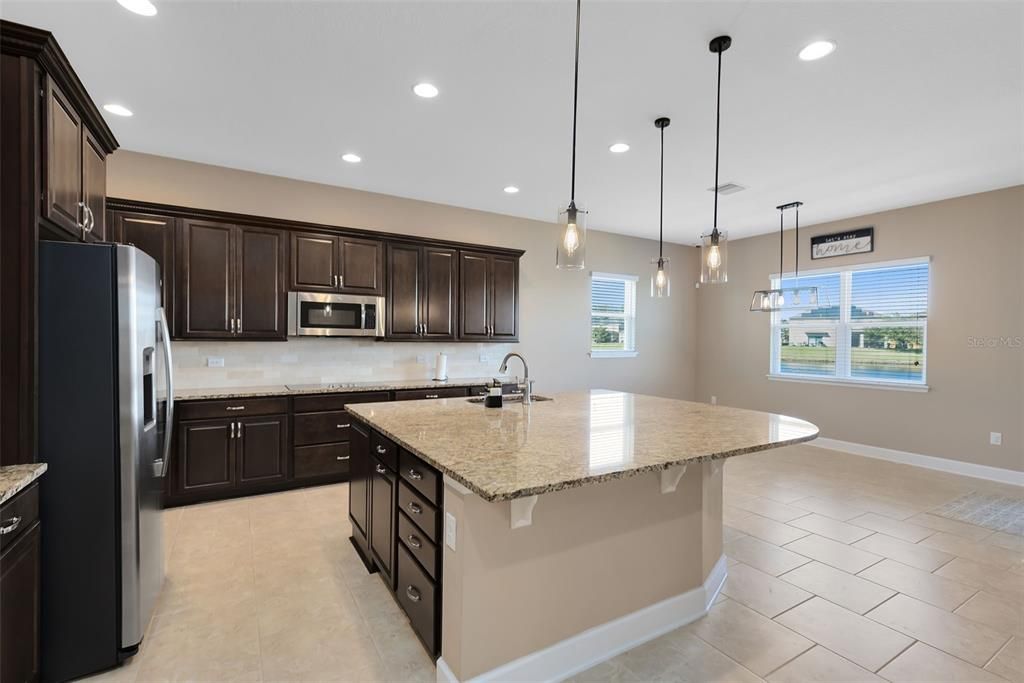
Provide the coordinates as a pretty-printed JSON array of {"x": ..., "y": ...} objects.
[
  {"x": 421, "y": 292},
  {"x": 324, "y": 262},
  {"x": 383, "y": 492},
  {"x": 230, "y": 282},
  {"x": 206, "y": 456},
  {"x": 262, "y": 449},
  {"x": 94, "y": 185},
  {"x": 153, "y": 235},
  {"x": 359, "y": 488},
  {"x": 20, "y": 587},
  {"x": 488, "y": 297},
  {"x": 63, "y": 175}
]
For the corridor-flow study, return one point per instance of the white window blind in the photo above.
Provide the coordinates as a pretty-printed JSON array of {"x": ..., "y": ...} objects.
[
  {"x": 870, "y": 326},
  {"x": 612, "y": 315}
]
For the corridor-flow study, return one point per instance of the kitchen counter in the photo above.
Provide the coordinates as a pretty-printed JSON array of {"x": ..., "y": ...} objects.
[
  {"x": 576, "y": 439},
  {"x": 199, "y": 394},
  {"x": 15, "y": 478}
]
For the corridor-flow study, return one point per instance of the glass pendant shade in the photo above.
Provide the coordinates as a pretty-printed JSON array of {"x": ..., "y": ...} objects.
[
  {"x": 572, "y": 238},
  {"x": 661, "y": 283},
  {"x": 714, "y": 261}
]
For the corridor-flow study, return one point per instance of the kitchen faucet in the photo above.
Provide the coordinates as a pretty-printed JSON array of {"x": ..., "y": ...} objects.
[{"x": 526, "y": 385}]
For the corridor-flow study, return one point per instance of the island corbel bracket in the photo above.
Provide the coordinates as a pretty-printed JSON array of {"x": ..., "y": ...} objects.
[
  {"x": 521, "y": 511},
  {"x": 670, "y": 478}
]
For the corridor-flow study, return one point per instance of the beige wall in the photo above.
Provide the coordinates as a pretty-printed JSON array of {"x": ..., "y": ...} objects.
[
  {"x": 977, "y": 291},
  {"x": 554, "y": 311}
]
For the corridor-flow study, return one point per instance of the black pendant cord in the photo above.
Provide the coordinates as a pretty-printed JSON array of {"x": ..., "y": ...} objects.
[
  {"x": 796, "y": 250},
  {"x": 782, "y": 214},
  {"x": 661, "y": 204},
  {"x": 575, "y": 99},
  {"x": 718, "y": 128}
]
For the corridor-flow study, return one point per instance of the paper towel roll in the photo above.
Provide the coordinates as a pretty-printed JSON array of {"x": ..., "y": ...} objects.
[{"x": 441, "y": 367}]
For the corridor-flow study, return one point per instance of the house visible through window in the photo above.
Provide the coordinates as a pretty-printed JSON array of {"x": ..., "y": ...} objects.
[
  {"x": 870, "y": 325},
  {"x": 612, "y": 315}
]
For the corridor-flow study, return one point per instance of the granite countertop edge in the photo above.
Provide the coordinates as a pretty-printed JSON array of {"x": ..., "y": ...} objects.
[
  {"x": 16, "y": 478},
  {"x": 284, "y": 390},
  {"x": 499, "y": 496}
]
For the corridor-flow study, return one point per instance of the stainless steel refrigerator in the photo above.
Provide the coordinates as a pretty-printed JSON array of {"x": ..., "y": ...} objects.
[{"x": 105, "y": 415}]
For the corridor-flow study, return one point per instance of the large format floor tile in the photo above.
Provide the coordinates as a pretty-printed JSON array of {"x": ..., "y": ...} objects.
[
  {"x": 820, "y": 664},
  {"x": 917, "y": 583},
  {"x": 769, "y": 558},
  {"x": 833, "y": 553},
  {"x": 830, "y": 528},
  {"x": 922, "y": 557},
  {"x": 762, "y": 592},
  {"x": 905, "y": 531},
  {"x": 1009, "y": 662},
  {"x": 924, "y": 664},
  {"x": 846, "y": 590}
]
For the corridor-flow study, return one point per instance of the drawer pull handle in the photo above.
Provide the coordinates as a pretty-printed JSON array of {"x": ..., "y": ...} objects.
[
  {"x": 415, "y": 509},
  {"x": 234, "y": 408},
  {"x": 381, "y": 450},
  {"x": 414, "y": 542},
  {"x": 344, "y": 426},
  {"x": 381, "y": 469},
  {"x": 9, "y": 525},
  {"x": 414, "y": 475},
  {"x": 413, "y": 594},
  {"x": 342, "y": 457},
  {"x": 433, "y": 396}
]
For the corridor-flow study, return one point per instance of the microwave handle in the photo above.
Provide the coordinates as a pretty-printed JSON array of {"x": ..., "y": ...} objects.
[{"x": 362, "y": 317}]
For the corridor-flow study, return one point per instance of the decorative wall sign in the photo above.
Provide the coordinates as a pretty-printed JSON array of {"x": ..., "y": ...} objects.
[{"x": 859, "y": 241}]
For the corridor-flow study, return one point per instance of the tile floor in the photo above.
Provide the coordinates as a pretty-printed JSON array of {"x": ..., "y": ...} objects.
[{"x": 837, "y": 573}]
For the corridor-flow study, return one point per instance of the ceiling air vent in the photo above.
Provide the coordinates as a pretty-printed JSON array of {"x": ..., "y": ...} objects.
[{"x": 728, "y": 188}]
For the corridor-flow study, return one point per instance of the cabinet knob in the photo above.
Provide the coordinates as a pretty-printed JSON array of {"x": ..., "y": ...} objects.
[
  {"x": 414, "y": 541},
  {"x": 414, "y": 508},
  {"x": 413, "y": 474},
  {"x": 412, "y": 593},
  {"x": 9, "y": 525},
  {"x": 381, "y": 469}
]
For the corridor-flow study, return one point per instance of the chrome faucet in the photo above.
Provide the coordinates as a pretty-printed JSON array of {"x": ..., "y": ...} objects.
[{"x": 526, "y": 385}]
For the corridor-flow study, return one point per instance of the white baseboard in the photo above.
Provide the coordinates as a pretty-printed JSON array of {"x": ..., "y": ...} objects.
[
  {"x": 595, "y": 645},
  {"x": 930, "y": 462}
]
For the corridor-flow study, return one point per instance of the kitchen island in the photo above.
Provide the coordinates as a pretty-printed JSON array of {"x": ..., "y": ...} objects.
[{"x": 573, "y": 529}]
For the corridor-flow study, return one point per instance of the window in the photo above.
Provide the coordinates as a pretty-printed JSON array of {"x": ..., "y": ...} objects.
[
  {"x": 612, "y": 315},
  {"x": 870, "y": 326}
]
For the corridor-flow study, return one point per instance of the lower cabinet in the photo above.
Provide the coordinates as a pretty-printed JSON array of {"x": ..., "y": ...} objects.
[
  {"x": 383, "y": 494},
  {"x": 262, "y": 449},
  {"x": 20, "y": 587},
  {"x": 359, "y": 488}
]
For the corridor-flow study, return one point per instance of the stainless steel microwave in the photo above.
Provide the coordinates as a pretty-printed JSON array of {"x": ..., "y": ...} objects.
[{"x": 335, "y": 315}]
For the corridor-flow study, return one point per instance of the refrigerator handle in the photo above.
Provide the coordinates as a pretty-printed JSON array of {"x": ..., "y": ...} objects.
[{"x": 169, "y": 423}]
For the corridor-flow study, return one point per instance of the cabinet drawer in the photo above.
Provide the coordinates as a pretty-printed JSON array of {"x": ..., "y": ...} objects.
[
  {"x": 440, "y": 392},
  {"x": 329, "y": 427},
  {"x": 385, "y": 450},
  {"x": 419, "y": 510},
  {"x": 19, "y": 514},
  {"x": 425, "y": 479},
  {"x": 415, "y": 593},
  {"x": 322, "y": 402},
  {"x": 200, "y": 410},
  {"x": 320, "y": 461},
  {"x": 417, "y": 544}
]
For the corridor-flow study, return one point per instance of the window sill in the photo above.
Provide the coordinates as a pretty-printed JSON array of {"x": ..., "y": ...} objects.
[
  {"x": 613, "y": 354},
  {"x": 860, "y": 384}
]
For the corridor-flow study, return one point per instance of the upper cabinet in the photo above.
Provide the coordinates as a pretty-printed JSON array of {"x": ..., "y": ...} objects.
[
  {"x": 152, "y": 234},
  {"x": 421, "y": 292},
  {"x": 230, "y": 281},
  {"x": 488, "y": 297},
  {"x": 325, "y": 262}
]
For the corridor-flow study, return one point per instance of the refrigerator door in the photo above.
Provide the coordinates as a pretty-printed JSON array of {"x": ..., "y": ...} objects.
[{"x": 139, "y": 375}]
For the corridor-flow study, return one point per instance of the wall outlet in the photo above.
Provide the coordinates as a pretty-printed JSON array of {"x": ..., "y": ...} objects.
[
  {"x": 449, "y": 530},
  {"x": 214, "y": 362},
  {"x": 421, "y": 359},
  {"x": 484, "y": 358},
  {"x": 714, "y": 400},
  {"x": 995, "y": 438}
]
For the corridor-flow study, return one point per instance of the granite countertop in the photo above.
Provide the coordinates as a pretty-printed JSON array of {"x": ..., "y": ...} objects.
[
  {"x": 326, "y": 388},
  {"x": 15, "y": 478},
  {"x": 576, "y": 439}
]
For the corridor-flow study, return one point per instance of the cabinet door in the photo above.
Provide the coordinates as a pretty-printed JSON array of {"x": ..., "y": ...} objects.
[
  {"x": 206, "y": 456},
  {"x": 94, "y": 184},
  {"x": 63, "y": 176},
  {"x": 261, "y": 446},
  {"x": 260, "y": 304},
  {"x": 314, "y": 262},
  {"x": 205, "y": 301},
  {"x": 359, "y": 480},
  {"x": 155, "y": 236},
  {"x": 403, "y": 297},
  {"x": 362, "y": 265},
  {"x": 504, "y": 298},
  {"x": 439, "y": 292},
  {"x": 19, "y": 608},
  {"x": 382, "y": 519},
  {"x": 474, "y": 295}
]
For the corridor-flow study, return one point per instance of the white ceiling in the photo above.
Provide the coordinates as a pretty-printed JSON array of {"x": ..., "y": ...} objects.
[{"x": 921, "y": 100}]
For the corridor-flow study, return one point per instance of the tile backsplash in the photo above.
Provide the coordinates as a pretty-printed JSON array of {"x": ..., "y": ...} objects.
[{"x": 306, "y": 361}]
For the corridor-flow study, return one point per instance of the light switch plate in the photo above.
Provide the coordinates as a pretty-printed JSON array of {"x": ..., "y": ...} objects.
[
  {"x": 449, "y": 530},
  {"x": 484, "y": 358},
  {"x": 995, "y": 438},
  {"x": 714, "y": 400},
  {"x": 214, "y": 362}
]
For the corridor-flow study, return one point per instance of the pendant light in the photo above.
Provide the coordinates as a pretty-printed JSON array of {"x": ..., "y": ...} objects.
[
  {"x": 713, "y": 252},
  {"x": 661, "y": 285},
  {"x": 572, "y": 220},
  {"x": 795, "y": 297}
]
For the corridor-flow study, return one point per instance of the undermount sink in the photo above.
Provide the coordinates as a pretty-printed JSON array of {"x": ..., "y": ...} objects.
[{"x": 511, "y": 398}]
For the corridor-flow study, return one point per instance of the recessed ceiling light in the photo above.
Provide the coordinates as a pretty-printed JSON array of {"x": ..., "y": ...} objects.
[
  {"x": 511, "y": 189},
  {"x": 117, "y": 109},
  {"x": 426, "y": 90},
  {"x": 817, "y": 50},
  {"x": 143, "y": 7},
  {"x": 619, "y": 148},
  {"x": 351, "y": 158}
]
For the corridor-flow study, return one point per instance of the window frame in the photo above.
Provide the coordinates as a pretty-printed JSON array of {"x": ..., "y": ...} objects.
[
  {"x": 844, "y": 326},
  {"x": 628, "y": 315}
]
